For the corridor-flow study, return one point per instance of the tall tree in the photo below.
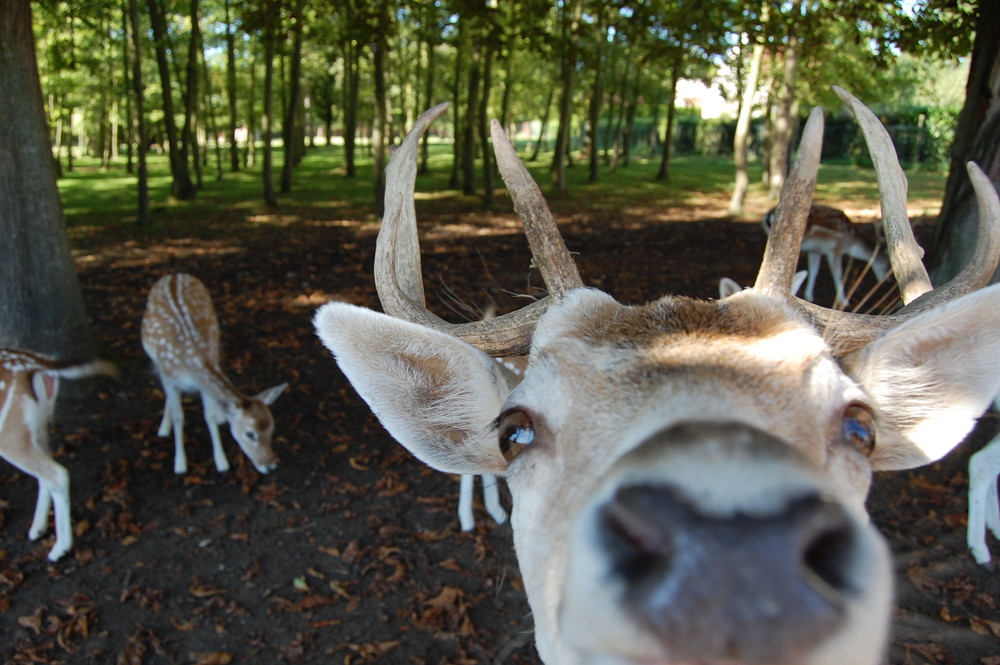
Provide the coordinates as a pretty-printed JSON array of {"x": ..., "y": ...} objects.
[
  {"x": 234, "y": 154},
  {"x": 41, "y": 304},
  {"x": 742, "y": 133},
  {"x": 271, "y": 16},
  {"x": 182, "y": 187},
  {"x": 139, "y": 115},
  {"x": 783, "y": 123},
  {"x": 977, "y": 139},
  {"x": 290, "y": 123},
  {"x": 572, "y": 14}
]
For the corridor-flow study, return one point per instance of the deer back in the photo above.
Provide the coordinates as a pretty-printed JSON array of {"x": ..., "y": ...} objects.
[{"x": 179, "y": 327}]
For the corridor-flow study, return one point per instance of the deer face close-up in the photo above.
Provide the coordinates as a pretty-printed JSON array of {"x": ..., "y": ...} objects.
[{"x": 688, "y": 477}]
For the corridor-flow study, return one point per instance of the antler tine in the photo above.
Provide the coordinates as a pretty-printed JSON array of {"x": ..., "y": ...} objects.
[
  {"x": 548, "y": 249},
  {"x": 983, "y": 262},
  {"x": 847, "y": 331},
  {"x": 398, "y": 277},
  {"x": 904, "y": 253},
  {"x": 400, "y": 219},
  {"x": 781, "y": 255}
]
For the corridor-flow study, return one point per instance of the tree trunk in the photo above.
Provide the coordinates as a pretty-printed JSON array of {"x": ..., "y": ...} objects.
[
  {"x": 428, "y": 102},
  {"x": 139, "y": 116},
  {"x": 663, "y": 175},
  {"x": 456, "y": 89},
  {"x": 41, "y": 304},
  {"x": 190, "y": 131},
  {"x": 977, "y": 139},
  {"x": 743, "y": 131},
  {"x": 571, "y": 20},
  {"x": 543, "y": 127},
  {"x": 127, "y": 81},
  {"x": 484, "y": 128},
  {"x": 182, "y": 187},
  {"x": 469, "y": 129},
  {"x": 234, "y": 151},
  {"x": 594, "y": 112},
  {"x": 267, "y": 171},
  {"x": 352, "y": 78},
  {"x": 210, "y": 115},
  {"x": 379, "y": 124},
  {"x": 294, "y": 99},
  {"x": 781, "y": 132}
]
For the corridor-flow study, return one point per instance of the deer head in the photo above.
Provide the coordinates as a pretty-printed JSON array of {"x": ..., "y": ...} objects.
[{"x": 688, "y": 477}]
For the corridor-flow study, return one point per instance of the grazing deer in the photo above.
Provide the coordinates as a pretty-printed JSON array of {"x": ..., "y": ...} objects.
[
  {"x": 180, "y": 333},
  {"x": 830, "y": 234},
  {"x": 29, "y": 384},
  {"x": 688, "y": 477}
]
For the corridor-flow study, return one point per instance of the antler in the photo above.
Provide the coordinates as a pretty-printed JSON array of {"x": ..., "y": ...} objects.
[
  {"x": 846, "y": 331},
  {"x": 398, "y": 277}
]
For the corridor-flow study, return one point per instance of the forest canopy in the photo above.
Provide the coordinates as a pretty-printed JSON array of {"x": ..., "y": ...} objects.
[{"x": 218, "y": 84}]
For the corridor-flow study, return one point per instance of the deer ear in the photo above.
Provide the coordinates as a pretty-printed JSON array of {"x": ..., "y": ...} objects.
[
  {"x": 931, "y": 378},
  {"x": 435, "y": 394},
  {"x": 269, "y": 396}
]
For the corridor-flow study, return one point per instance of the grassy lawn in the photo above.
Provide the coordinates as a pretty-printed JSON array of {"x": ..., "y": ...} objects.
[{"x": 100, "y": 201}]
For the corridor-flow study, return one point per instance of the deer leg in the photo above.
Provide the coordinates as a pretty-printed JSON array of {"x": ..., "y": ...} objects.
[
  {"x": 465, "y": 516},
  {"x": 812, "y": 261},
  {"x": 983, "y": 468},
  {"x": 173, "y": 417},
  {"x": 214, "y": 416},
  {"x": 167, "y": 421},
  {"x": 837, "y": 271},
  {"x": 33, "y": 458},
  {"x": 491, "y": 497}
]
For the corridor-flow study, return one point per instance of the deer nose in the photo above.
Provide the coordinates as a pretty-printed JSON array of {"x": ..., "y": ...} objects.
[{"x": 737, "y": 588}]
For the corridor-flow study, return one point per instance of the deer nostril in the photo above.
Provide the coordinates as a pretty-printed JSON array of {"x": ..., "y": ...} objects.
[
  {"x": 637, "y": 544},
  {"x": 827, "y": 556}
]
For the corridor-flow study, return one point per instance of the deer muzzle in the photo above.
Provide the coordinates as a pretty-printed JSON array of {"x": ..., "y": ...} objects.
[{"x": 718, "y": 544}]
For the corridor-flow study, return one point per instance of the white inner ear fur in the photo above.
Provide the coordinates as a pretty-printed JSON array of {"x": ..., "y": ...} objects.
[
  {"x": 931, "y": 378},
  {"x": 435, "y": 394}
]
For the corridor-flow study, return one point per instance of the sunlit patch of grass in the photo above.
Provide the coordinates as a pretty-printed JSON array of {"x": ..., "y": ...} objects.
[{"x": 100, "y": 205}]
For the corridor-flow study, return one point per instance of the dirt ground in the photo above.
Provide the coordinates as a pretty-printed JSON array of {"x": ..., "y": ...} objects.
[{"x": 350, "y": 552}]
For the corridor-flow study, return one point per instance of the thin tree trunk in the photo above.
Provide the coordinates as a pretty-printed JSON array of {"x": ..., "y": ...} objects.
[
  {"x": 250, "y": 150},
  {"x": 469, "y": 129},
  {"x": 456, "y": 95},
  {"x": 782, "y": 128},
  {"x": 267, "y": 172},
  {"x": 190, "y": 133},
  {"x": 234, "y": 151},
  {"x": 743, "y": 131},
  {"x": 182, "y": 187},
  {"x": 379, "y": 125},
  {"x": 484, "y": 128},
  {"x": 428, "y": 102},
  {"x": 210, "y": 114},
  {"x": 541, "y": 130},
  {"x": 352, "y": 77},
  {"x": 571, "y": 20},
  {"x": 127, "y": 80},
  {"x": 139, "y": 116},
  {"x": 294, "y": 99},
  {"x": 596, "y": 92},
  {"x": 663, "y": 175}
]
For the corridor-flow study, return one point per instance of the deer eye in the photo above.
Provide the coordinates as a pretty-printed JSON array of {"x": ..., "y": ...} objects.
[
  {"x": 858, "y": 429},
  {"x": 516, "y": 431},
  {"x": 251, "y": 436}
]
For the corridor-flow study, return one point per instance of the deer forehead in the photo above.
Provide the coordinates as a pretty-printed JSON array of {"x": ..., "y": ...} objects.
[{"x": 745, "y": 341}]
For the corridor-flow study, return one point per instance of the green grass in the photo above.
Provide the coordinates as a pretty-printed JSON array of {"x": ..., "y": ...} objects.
[{"x": 97, "y": 202}]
